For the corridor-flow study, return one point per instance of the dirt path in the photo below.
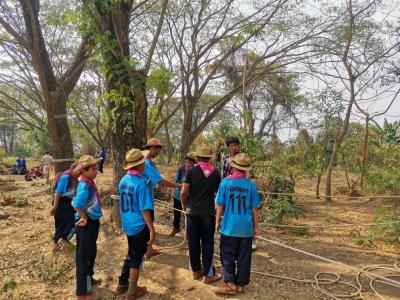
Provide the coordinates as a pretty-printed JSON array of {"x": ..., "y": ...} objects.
[{"x": 27, "y": 261}]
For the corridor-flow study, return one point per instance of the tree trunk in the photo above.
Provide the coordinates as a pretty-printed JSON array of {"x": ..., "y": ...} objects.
[
  {"x": 125, "y": 86},
  {"x": 169, "y": 145},
  {"x": 318, "y": 184},
  {"x": 364, "y": 153}
]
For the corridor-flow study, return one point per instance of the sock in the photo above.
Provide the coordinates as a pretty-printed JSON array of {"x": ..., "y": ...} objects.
[{"x": 132, "y": 285}]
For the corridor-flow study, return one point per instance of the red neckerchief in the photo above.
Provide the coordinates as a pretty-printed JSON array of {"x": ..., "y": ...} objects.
[
  {"x": 206, "y": 167},
  {"x": 135, "y": 173},
  {"x": 93, "y": 185},
  {"x": 237, "y": 174},
  {"x": 150, "y": 159}
]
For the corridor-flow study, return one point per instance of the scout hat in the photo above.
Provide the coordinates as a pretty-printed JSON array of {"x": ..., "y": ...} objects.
[
  {"x": 153, "y": 142},
  {"x": 203, "y": 150},
  {"x": 84, "y": 162},
  {"x": 133, "y": 157},
  {"x": 191, "y": 156},
  {"x": 240, "y": 161}
]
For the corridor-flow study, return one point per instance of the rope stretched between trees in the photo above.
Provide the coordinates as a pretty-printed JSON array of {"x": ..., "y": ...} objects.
[{"x": 334, "y": 196}]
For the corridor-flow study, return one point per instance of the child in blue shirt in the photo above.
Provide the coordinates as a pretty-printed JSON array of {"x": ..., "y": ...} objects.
[
  {"x": 238, "y": 201},
  {"x": 87, "y": 204},
  {"x": 62, "y": 210},
  {"x": 136, "y": 203},
  {"x": 190, "y": 160},
  {"x": 153, "y": 149}
]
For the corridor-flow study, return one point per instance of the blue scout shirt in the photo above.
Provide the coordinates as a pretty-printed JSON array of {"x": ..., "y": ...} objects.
[
  {"x": 151, "y": 172},
  {"x": 86, "y": 198},
  {"x": 180, "y": 174},
  {"x": 238, "y": 196},
  {"x": 135, "y": 196},
  {"x": 65, "y": 186}
]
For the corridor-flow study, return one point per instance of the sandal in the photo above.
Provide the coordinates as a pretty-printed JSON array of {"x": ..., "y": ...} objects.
[
  {"x": 210, "y": 279},
  {"x": 239, "y": 289},
  {"x": 225, "y": 289},
  {"x": 139, "y": 292}
]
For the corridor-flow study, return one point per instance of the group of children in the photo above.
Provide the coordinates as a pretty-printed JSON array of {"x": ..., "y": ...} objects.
[{"x": 229, "y": 207}]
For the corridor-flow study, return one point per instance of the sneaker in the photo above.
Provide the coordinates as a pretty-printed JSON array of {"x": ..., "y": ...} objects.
[{"x": 254, "y": 245}]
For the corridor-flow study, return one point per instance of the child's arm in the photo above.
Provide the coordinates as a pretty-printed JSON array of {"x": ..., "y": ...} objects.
[
  {"x": 57, "y": 197},
  {"x": 220, "y": 209},
  {"x": 149, "y": 222},
  {"x": 184, "y": 194},
  {"x": 84, "y": 217},
  {"x": 255, "y": 222}
]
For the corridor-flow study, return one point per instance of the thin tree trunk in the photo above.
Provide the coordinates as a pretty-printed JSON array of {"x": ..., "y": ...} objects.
[{"x": 364, "y": 154}]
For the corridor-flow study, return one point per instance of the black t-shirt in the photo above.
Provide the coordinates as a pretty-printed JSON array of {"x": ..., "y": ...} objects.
[{"x": 202, "y": 191}]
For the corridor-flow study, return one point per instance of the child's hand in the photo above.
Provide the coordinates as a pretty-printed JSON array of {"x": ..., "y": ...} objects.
[
  {"x": 82, "y": 222},
  {"x": 152, "y": 237},
  {"x": 256, "y": 233},
  {"x": 217, "y": 227},
  {"x": 53, "y": 210}
]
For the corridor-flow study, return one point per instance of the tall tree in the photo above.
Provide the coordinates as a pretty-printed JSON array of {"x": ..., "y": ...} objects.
[
  {"x": 110, "y": 21},
  {"x": 24, "y": 28},
  {"x": 356, "y": 54}
]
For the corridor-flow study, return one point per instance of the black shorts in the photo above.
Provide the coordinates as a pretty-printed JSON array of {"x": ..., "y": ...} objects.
[
  {"x": 152, "y": 214},
  {"x": 137, "y": 247}
]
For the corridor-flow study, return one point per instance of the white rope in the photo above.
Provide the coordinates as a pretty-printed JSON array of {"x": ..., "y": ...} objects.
[
  {"x": 334, "y": 196},
  {"x": 331, "y": 225},
  {"x": 57, "y": 160}
]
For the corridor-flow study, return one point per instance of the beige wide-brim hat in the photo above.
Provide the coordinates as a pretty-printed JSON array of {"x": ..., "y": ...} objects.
[
  {"x": 84, "y": 162},
  {"x": 153, "y": 142},
  {"x": 133, "y": 158},
  {"x": 241, "y": 161},
  {"x": 192, "y": 156},
  {"x": 203, "y": 150}
]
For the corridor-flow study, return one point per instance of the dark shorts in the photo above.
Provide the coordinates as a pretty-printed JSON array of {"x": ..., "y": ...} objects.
[{"x": 137, "y": 247}]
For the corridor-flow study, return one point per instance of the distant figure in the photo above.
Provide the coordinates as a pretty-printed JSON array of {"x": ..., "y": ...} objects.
[
  {"x": 22, "y": 170},
  {"x": 101, "y": 154},
  {"x": 19, "y": 163},
  {"x": 47, "y": 163}
]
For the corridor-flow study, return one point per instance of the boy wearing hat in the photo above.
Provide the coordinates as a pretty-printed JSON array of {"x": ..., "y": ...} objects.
[
  {"x": 154, "y": 147},
  {"x": 190, "y": 160},
  {"x": 62, "y": 210},
  {"x": 199, "y": 187},
  {"x": 135, "y": 206},
  {"x": 238, "y": 201},
  {"x": 87, "y": 204}
]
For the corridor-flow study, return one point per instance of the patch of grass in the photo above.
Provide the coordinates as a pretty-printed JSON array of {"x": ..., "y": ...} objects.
[
  {"x": 9, "y": 286},
  {"x": 301, "y": 231},
  {"x": 363, "y": 242},
  {"x": 389, "y": 233},
  {"x": 21, "y": 201}
]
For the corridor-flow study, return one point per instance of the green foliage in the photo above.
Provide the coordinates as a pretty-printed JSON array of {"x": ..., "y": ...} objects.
[
  {"x": 159, "y": 79},
  {"x": 21, "y": 201},
  {"x": 281, "y": 210},
  {"x": 384, "y": 176},
  {"x": 389, "y": 233},
  {"x": 21, "y": 152},
  {"x": 8, "y": 286}
]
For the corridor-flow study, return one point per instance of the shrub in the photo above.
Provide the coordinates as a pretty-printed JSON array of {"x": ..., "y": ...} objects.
[
  {"x": 389, "y": 233},
  {"x": 281, "y": 210}
]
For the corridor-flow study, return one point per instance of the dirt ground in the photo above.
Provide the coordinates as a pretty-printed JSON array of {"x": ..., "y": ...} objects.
[{"x": 29, "y": 270}]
